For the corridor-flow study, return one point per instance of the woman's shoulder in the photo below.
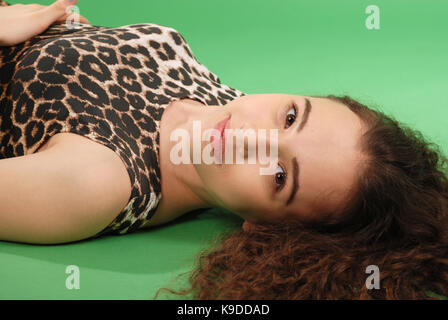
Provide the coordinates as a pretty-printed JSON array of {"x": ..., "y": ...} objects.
[
  {"x": 150, "y": 28},
  {"x": 146, "y": 31},
  {"x": 144, "y": 38}
]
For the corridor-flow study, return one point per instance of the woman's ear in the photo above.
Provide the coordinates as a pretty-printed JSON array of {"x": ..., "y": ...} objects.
[{"x": 248, "y": 226}]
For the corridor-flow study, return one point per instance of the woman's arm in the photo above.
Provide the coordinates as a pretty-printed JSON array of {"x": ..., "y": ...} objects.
[{"x": 20, "y": 22}]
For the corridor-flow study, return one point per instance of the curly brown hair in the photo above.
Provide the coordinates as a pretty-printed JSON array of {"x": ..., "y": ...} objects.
[{"x": 396, "y": 219}]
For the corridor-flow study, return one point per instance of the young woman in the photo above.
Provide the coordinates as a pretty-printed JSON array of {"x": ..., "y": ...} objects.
[{"x": 87, "y": 114}]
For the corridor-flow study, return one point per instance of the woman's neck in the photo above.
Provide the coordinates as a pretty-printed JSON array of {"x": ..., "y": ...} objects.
[{"x": 182, "y": 189}]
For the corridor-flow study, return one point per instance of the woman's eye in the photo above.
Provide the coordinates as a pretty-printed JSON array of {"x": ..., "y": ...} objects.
[
  {"x": 291, "y": 116},
  {"x": 280, "y": 178}
]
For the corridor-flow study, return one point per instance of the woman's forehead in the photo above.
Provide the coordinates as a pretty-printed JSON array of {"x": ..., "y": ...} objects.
[{"x": 329, "y": 155}]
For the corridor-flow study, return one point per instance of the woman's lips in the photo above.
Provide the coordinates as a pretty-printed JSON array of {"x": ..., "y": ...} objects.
[{"x": 218, "y": 141}]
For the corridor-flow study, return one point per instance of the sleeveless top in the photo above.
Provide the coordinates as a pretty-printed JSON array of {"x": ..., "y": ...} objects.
[{"x": 110, "y": 85}]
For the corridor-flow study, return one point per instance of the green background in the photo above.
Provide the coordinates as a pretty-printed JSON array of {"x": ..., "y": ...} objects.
[{"x": 266, "y": 46}]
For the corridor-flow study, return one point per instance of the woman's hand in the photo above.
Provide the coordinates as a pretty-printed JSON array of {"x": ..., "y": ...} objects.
[{"x": 20, "y": 22}]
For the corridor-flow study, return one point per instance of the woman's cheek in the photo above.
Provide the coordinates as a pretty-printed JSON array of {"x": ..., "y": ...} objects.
[{"x": 246, "y": 201}]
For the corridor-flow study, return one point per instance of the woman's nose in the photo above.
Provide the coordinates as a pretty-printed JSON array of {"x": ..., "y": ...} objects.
[{"x": 258, "y": 144}]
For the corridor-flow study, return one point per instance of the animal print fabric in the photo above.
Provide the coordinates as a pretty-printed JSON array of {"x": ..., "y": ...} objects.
[{"x": 110, "y": 85}]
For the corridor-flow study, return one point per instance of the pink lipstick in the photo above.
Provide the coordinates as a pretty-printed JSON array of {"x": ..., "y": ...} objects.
[{"x": 218, "y": 140}]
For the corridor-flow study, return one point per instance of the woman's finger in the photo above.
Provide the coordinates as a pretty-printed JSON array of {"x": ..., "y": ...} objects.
[
  {"x": 81, "y": 18},
  {"x": 49, "y": 14},
  {"x": 22, "y": 8},
  {"x": 31, "y": 7},
  {"x": 39, "y": 20}
]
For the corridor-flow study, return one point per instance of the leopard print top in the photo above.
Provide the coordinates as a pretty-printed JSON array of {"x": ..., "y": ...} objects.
[{"x": 110, "y": 85}]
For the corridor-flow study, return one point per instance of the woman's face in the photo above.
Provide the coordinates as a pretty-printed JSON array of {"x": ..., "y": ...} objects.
[{"x": 318, "y": 157}]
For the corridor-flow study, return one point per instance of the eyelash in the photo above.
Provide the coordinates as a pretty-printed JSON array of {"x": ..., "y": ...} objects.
[
  {"x": 294, "y": 107},
  {"x": 278, "y": 187}
]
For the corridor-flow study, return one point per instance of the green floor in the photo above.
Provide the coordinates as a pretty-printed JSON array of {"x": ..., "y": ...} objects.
[
  {"x": 266, "y": 46},
  {"x": 132, "y": 266}
]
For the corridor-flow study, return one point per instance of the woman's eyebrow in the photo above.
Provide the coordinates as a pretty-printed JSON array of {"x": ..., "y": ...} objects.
[
  {"x": 295, "y": 177},
  {"x": 295, "y": 164},
  {"x": 306, "y": 114}
]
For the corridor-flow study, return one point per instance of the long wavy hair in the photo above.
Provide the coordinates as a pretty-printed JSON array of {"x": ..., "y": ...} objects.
[{"x": 396, "y": 218}]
